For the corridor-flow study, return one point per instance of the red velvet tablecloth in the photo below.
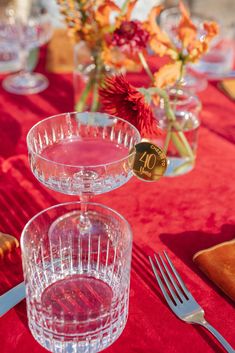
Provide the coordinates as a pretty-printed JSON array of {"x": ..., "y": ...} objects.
[{"x": 182, "y": 215}]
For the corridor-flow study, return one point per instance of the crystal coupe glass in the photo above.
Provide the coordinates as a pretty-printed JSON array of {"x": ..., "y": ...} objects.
[
  {"x": 82, "y": 154},
  {"x": 77, "y": 288},
  {"x": 29, "y": 33}
]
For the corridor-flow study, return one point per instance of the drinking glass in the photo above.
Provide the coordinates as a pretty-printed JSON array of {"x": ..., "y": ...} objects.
[
  {"x": 82, "y": 154},
  {"x": 9, "y": 45},
  {"x": 30, "y": 32},
  {"x": 77, "y": 287}
]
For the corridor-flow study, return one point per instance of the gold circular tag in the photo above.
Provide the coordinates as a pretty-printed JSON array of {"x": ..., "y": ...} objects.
[{"x": 149, "y": 162}]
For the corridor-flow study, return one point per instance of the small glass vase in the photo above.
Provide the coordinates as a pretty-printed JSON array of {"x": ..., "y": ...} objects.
[
  {"x": 88, "y": 74},
  {"x": 179, "y": 135}
]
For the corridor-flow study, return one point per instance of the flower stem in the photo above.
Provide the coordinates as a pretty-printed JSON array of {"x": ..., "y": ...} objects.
[
  {"x": 124, "y": 7},
  {"x": 177, "y": 141},
  {"x": 80, "y": 105},
  {"x": 186, "y": 145},
  {"x": 98, "y": 73},
  {"x": 177, "y": 137},
  {"x": 182, "y": 70},
  {"x": 162, "y": 93},
  {"x": 145, "y": 66},
  {"x": 179, "y": 82},
  {"x": 167, "y": 141},
  {"x": 95, "y": 101}
]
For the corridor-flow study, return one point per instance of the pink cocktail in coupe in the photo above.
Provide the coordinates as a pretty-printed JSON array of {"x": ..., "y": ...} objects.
[
  {"x": 85, "y": 152},
  {"x": 82, "y": 153}
]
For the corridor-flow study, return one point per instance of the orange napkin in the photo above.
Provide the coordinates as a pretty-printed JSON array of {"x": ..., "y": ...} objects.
[
  {"x": 228, "y": 86},
  {"x": 218, "y": 263},
  {"x": 59, "y": 53},
  {"x": 7, "y": 244}
]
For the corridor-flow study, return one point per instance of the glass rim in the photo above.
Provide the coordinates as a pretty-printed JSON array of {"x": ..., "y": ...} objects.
[
  {"x": 181, "y": 92},
  {"x": 107, "y": 208},
  {"x": 83, "y": 167}
]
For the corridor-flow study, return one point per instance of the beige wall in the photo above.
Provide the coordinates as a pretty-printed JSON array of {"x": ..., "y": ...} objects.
[{"x": 224, "y": 10}]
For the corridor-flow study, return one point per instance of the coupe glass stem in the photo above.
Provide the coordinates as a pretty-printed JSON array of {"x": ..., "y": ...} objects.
[
  {"x": 24, "y": 60},
  {"x": 25, "y": 73},
  {"x": 84, "y": 221}
]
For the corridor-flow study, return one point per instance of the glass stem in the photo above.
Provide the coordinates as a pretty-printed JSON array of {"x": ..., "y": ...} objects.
[
  {"x": 24, "y": 61},
  {"x": 84, "y": 222},
  {"x": 84, "y": 199}
]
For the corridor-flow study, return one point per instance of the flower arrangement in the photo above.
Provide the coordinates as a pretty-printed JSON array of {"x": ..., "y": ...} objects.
[
  {"x": 137, "y": 104},
  {"x": 121, "y": 42},
  {"x": 106, "y": 29},
  {"x": 190, "y": 49}
]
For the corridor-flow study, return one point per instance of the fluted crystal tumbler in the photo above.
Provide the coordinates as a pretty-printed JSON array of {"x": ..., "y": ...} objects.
[{"x": 77, "y": 286}]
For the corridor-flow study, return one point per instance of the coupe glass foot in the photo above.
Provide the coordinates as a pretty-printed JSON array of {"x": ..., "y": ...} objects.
[{"x": 25, "y": 83}]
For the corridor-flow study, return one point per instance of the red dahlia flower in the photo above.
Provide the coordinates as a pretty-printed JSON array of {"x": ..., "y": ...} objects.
[
  {"x": 130, "y": 36},
  {"x": 121, "y": 99}
]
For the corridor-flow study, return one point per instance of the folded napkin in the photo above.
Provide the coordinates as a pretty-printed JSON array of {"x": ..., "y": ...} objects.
[
  {"x": 228, "y": 86},
  {"x": 218, "y": 263},
  {"x": 59, "y": 53},
  {"x": 7, "y": 244}
]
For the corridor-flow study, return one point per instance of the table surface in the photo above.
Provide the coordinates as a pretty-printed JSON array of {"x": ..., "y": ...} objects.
[{"x": 181, "y": 215}]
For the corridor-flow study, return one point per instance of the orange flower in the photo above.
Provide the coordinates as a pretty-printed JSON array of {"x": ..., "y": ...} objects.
[
  {"x": 126, "y": 14},
  {"x": 115, "y": 58},
  {"x": 198, "y": 47},
  {"x": 187, "y": 31},
  {"x": 102, "y": 15},
  {"x": 188, "y": 34},
  {"x": 191, "y": 48},
  {"x": 88, "y": 20},
  {"x": 212, "y": 29},
  {"x": 159, "y": 41},
  {"x": 168, "y": 74}
]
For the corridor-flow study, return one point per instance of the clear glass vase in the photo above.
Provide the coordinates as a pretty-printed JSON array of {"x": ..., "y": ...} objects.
[
  {"x": 179, "y": 135},
  {"x": 89, "y": 71}
]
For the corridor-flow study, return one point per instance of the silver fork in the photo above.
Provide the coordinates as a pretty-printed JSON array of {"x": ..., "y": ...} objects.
[{"x": 179, "y": 299}]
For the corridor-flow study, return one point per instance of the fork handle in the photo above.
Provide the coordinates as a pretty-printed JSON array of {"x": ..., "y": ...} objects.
[{"x": 218, "y": 336}]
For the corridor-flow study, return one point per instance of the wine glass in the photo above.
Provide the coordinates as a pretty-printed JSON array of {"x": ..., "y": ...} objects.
[
  {"x": 9, "y": 45},
  {"x": 82, "y": 154},
  {"x": 31, "y": 31},
  {"x": 77, "y": 289}
]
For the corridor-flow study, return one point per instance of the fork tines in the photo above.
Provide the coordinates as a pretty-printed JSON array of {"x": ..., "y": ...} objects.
[{"x": 169, "y": 280}]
